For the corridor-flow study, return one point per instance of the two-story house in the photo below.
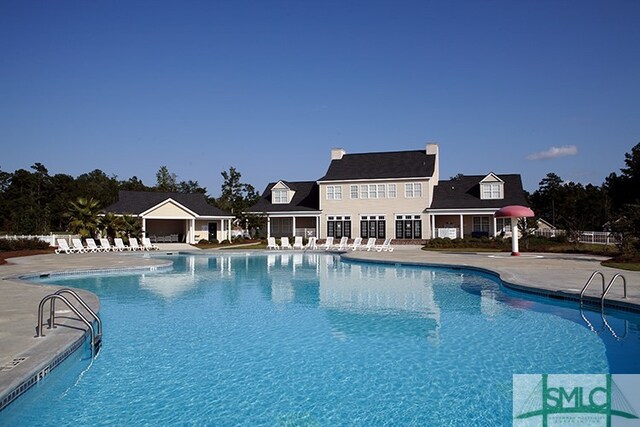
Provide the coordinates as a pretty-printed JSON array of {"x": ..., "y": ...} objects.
[{"x": 391, "y": 194}]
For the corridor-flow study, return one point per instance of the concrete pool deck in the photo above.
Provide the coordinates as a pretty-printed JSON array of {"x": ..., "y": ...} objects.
[{"x": 22, "y": 356}]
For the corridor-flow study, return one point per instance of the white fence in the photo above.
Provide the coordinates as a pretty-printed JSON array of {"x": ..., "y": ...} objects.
[
  {"x": 596, "y": 237},
  {"x": 49, "y": 238}
]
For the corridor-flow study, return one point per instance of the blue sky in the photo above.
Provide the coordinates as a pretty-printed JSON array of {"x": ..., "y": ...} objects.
[{"x": 269, "y": 87}]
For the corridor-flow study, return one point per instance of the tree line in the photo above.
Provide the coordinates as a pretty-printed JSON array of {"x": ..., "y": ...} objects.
[
  {"x": 613, "y": 206},
  {"x": 34, "y": 202}
]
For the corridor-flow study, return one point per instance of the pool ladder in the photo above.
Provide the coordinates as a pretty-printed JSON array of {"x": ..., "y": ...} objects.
[
  {"x": 605, "y": 291},
  {"x": 96, "y": 336}
]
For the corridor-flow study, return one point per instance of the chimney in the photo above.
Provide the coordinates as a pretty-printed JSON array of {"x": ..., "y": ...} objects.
[
  {"x": 432, "y": 149},
  {"x": 337, "y": 153}
]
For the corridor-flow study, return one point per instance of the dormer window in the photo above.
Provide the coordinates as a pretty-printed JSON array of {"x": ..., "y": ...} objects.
[
  {"x": 279, "y": 197},
  {"x": 492, "y": 191},
  {"x": 491, "y": 188}
]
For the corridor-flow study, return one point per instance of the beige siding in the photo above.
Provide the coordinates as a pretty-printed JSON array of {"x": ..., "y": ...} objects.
[
  {"x": 169, "y": 210},
  {"x": 389, "y": 207}
]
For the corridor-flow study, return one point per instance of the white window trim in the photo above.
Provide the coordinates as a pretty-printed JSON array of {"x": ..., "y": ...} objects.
[
  {"x": 413, "y": 190},
  {"x": 334, "y": 192},
  {"x": 488, "y": 191},
  {"x": 354, "y": 191},
  {"x": 277, "y": 196}
]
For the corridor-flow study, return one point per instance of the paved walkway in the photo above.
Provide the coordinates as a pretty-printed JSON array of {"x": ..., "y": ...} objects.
[{"x": 562, "y": 274}]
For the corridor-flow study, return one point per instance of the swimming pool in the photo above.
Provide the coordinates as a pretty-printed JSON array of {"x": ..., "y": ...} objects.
[{"x": 307, "y": 339}]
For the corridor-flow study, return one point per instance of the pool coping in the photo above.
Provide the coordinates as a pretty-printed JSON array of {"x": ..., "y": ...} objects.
[
  {"x": 588, "y": 300},
  {"x": 26, "y": 361},
  {"x": 20, "y": 270}
]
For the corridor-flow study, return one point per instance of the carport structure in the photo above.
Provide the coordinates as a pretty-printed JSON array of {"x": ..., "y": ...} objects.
[{"x": 174, "y": 217}]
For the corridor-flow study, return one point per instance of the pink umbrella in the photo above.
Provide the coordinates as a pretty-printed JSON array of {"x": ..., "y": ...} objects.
[{"x": 514, "y": 212}]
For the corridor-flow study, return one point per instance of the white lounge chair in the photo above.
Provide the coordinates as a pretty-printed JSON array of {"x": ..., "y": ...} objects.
[
  {"x": 120, "y": 246},
  {"x": 371, "y": 244},
  {"x": 105, "y": 245},
  {"x": 356, "y": 244},
  {"x": 386, "y": 246},
  {"x": 147, "y": 245},
  {"x": 284, "y": 243},
  {"x": 297, "y": 244},
  {"x": 271, "y": 243},
  {"x": 342, "y": 246},
  {"x": 311, "y": 244},
  {"x": 92, "y": 247},
  {"x": 63, "y": 246},
  {"x": 328, "y": 243},
  {"x": 133, "y": 244},
  {"x": 77, "y": 246}
]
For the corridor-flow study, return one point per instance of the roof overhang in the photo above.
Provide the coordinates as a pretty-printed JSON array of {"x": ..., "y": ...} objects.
[
  {"x": 462, "y": 211},
  {"x": 347, "y": 181}
]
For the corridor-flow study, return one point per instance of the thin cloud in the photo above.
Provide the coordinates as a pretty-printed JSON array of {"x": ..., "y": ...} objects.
[{"x": 553, "y": 152}]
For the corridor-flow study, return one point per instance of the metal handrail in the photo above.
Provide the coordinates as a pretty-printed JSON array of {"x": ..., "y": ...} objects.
[
  {"x": 606, "y": 291},
  {"x": 52, "y": 319},
  {"x": 82, "y": 303},
  {"x": 586, "y": 285}
]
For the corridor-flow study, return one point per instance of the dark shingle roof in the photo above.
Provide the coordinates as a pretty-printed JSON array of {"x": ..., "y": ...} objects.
[
  {"x": 464, "y": 192},
  {"x": 396, "y": 164},
  {"x": 306, "y": 198},
  {"x": 136, "y": 202}
]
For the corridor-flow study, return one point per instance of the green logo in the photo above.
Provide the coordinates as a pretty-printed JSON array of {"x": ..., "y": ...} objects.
[{"x": 570, "y": 399}]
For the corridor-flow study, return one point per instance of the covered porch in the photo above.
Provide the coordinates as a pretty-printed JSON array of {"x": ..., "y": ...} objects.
[
  {"x": 469, "y": 223},
  {"x": 186, "y": 230},
  {"x": 291, "y": 225}
]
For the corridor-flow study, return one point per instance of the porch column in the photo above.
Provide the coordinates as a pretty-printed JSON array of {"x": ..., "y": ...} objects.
[
  {"x": 462, "y": 226},
  {"x": 229, "y": 230},
  {"x": 432, "y": 222},
  {"x": 495, "y": 227},
  {"x": 293, "y": 225},
  {"x": 144, "y": 227},
  {"x": 318, "y": 226},
  {"x": 192, "y": 231},
  {"x": 268, "y": 227}
]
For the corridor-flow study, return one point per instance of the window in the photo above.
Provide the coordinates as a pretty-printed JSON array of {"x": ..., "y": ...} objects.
[
  {"x": 354, "y": 191},
  {"x": 373, "y": 226},
  {"x": 339, "y": 226},
  {"x": 391, "y": 191},
  {"x": 279, "y": 196},
  {"x": 481, "y": 224},
  {"x": 381, "y": 192},
  {"x": 408, "y": 227},
  {"x": 334, "y": 192},
  {"x": 364, "y": 191},
  {"x": 373, "y": 194},
  {"x": 413, "y": 190},
  {"x": 503, "y": 225},
  {"x": 492, "y": 191}
]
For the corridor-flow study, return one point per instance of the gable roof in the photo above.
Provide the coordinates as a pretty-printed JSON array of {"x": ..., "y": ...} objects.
[
  {"x": 464, "y": 192},
  {"x": 306, "y": 198},
  {"x": 395, "y": 164},
  {"x": 137, "y": 202}
]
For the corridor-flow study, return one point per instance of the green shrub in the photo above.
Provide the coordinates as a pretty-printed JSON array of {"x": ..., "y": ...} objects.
[
  {"x": 203, "y": 242},
  {"x": 22, "y": 244}
]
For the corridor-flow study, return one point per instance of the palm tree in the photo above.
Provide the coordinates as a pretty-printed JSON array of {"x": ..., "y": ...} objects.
[
  {"x": 131, "y": 226},
  {"x": 83, "y": 217},
  {"x": 110, "y": 224}
]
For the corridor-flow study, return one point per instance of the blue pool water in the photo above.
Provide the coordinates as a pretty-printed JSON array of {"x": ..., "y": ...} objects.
[{"x": 305, "y": 339}]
